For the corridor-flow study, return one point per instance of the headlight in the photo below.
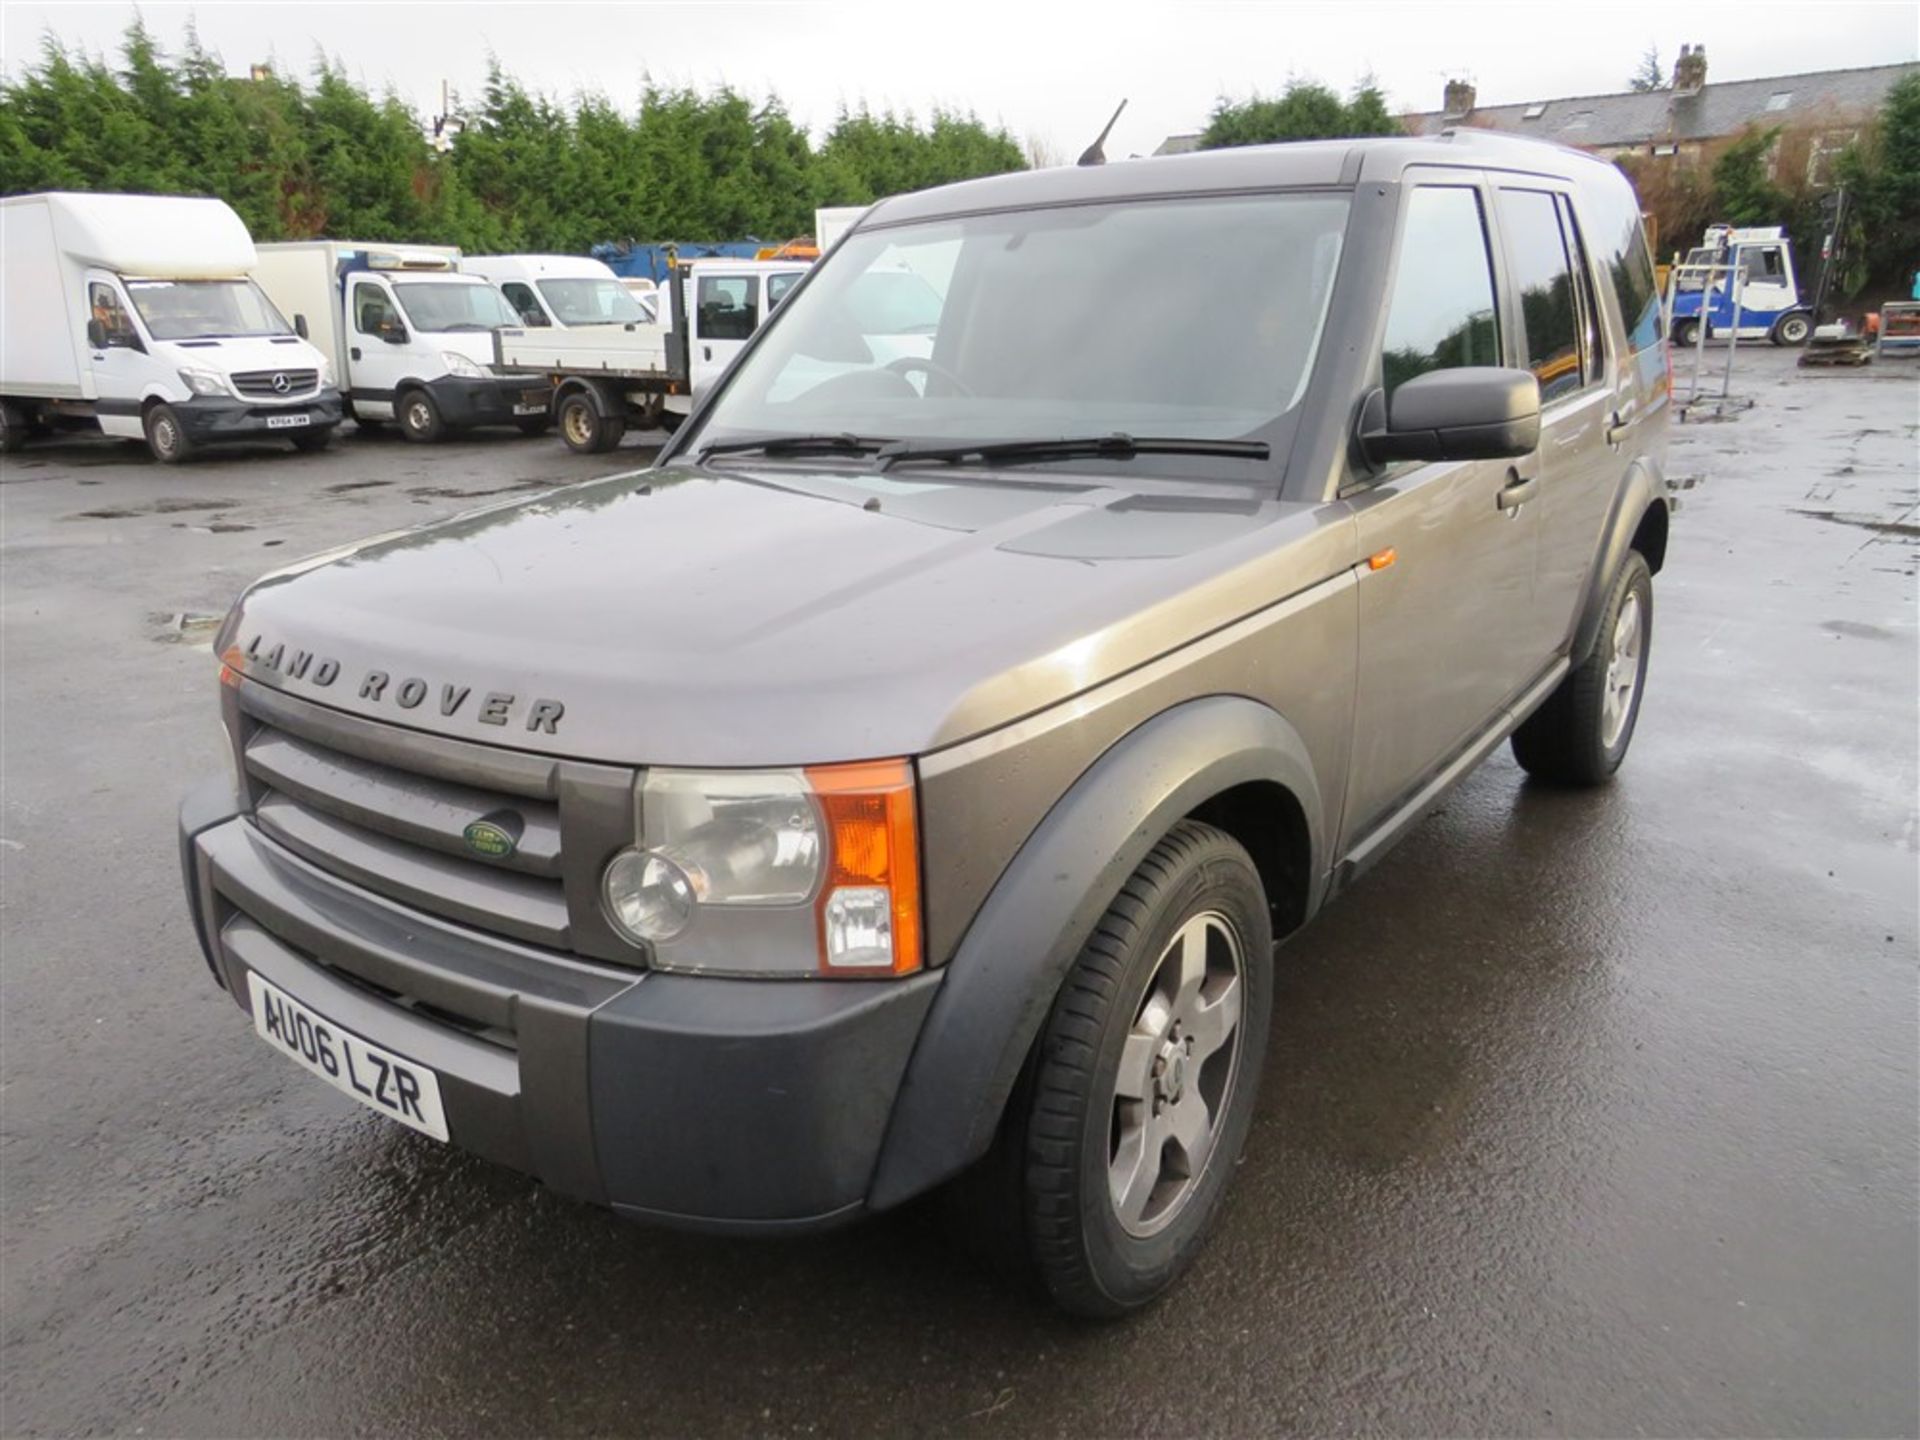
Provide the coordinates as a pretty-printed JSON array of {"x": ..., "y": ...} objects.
[
  {"x": 758, "y": 872},
  {"x": 326, "y": 373},
  {"x": 203, "y": 382},
  {"x": 458, "y": 364}
]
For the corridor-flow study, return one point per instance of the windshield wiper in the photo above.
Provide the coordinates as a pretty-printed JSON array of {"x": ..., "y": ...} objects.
[
  {"x": 840, "y": 444},
  {"x": 1118, "y": 444}
]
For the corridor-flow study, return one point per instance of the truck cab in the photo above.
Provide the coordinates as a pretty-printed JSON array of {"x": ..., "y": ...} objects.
[
  {"x": 139, "y": 314},
  {"x": 559, "y": 290},
  {"x": 411, "y": 335},
  {"x": 1759, "y": 275}
]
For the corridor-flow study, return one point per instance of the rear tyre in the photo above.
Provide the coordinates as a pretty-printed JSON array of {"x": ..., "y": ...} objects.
[
  {"x": 1792, "y": 328},
  {"x": 313, "y": 441},
  {"x": 1144, "y": 1080},
  {"x": 585, "y": 429},
  {"x": 167, "y": 438},
  {"x": 1581, "y": 734},
  {"x": 419, "y": 417},
  {"x": 14, "y": 429}
]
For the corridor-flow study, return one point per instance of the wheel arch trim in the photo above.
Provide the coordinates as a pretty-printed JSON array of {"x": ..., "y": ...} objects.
[
  {"x": 1642, "y": 492},
  {"x": 1000, "y": 984}
]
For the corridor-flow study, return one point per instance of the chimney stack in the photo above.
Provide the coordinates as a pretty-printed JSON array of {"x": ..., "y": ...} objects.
[
  {"x": 1457, "y": 101},
  {"x": 1690, "y": 71}
]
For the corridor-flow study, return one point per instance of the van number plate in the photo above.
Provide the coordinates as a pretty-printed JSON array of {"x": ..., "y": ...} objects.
[
  {"x": 378, "y": 1079},
  {"x": 288, "y": 422}
]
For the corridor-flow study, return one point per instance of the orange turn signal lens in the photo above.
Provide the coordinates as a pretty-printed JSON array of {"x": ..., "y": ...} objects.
[
  {"x": 869, "y": 909},
  {"x": 1382, "y": 559}
]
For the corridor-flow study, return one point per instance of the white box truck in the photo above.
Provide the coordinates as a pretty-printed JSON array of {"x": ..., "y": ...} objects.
[
  {"x": 137, "y": 314},
  {"x": 410, "y": 335}
]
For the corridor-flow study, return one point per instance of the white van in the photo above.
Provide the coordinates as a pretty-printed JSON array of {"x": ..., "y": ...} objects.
[
  {"x": 564, "y": 290},
  {"x": 137, "y": 314},
  {"x": 411, "y": 336}
]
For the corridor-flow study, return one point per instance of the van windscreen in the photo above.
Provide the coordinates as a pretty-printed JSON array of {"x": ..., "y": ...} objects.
[{"x": 205, "y": 309}]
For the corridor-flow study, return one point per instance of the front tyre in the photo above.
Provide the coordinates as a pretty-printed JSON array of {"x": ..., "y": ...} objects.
[
  {"x": 1792, "y": 328},
  {"x": 166, "y": 437},
  {"x": 1686, "y": 333},
  {"x": 1580, "y": 735},
  {"x": 1146, "y": 1076},
  {"x": 419, "y": 416}
]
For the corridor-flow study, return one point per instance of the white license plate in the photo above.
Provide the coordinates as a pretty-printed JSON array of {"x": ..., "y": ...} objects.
[
  {"x": 288, "y": 422},
  {"x": 378, "y": 1079},
  {"x": 529, "y": 409}
]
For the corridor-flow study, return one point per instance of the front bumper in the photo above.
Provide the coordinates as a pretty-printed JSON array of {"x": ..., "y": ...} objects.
[
  {"x": 208, "y": 419},
  {"x": 733, "y": 1105},
  {"x": 492, "y": 400}
]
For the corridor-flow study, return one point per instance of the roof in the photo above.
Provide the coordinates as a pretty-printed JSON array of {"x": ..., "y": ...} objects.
[
  {"x": 1719, "y": 108},
  {"x": 1298, "y": 164},
  {"x": 174, "y": 237}
]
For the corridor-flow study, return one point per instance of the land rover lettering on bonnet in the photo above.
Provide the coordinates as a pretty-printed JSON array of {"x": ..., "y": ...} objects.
[
  {"x": 276, "y": 663},
  {"x": 981, "y": 683}
]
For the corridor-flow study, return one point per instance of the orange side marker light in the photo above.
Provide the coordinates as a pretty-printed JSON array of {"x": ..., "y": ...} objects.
[{"x": 1380, "y": 560}]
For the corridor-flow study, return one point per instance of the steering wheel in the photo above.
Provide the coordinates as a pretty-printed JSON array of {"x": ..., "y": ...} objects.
[{"x": 934, "y": 370}]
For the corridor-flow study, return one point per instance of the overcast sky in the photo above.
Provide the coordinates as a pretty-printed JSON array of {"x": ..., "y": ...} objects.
[{"x": 1048, "y": 71}]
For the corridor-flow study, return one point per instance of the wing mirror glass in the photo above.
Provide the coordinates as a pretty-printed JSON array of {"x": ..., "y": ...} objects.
[
  {"x": 300, "y": 326},
  {"x": 1481, "y": 412},
  {"x": 97, "y": 334}
]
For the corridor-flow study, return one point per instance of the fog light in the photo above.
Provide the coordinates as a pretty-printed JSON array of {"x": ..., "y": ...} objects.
[
  {"x": 647, "y": 896},
  {"x": 857, "y": 921}
]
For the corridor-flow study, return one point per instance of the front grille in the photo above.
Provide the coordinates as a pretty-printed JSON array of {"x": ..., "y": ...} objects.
[
  {"x": 275, "y": 384},
  {"x": 403, "y": 833}
]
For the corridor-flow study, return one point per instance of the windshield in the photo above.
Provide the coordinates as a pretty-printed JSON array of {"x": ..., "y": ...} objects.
[
  {"x": 1186, "y": 319},
  {"x": 205, "y": 309},
  {"x": 591, "y": 301},
  {"x": 454, "y": 305}
]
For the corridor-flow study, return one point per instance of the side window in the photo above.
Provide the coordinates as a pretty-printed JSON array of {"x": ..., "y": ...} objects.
[
  {"x": 1537, "y": 253},
  {"x": 373, "y": 312},
  {"x": 103, "y": 304},
  {"x": 1441, "y": 316},
  {"x": 777, "y": 288},
  {"x": 1761, "y": 262},
  {"x": 1620, "y": 245},
  {"x": 726, "y": 306},
  {"x": 525, "y": 303},
  {"x": 1591, "y": 326}
]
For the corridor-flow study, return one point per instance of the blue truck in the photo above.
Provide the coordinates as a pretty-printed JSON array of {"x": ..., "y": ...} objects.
[{"x": 1772, "y": 306}]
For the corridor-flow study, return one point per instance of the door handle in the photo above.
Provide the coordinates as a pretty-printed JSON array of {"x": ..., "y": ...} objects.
[
  {"x": 1617, "y": 427},
  {"x": 707, "y": 351},
  {"x": 1516, "y": 493},
  {"x": 354, "y": 353}
]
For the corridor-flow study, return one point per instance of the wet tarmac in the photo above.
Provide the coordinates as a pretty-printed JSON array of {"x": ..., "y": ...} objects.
[{"x": 1590, "y": 1114}]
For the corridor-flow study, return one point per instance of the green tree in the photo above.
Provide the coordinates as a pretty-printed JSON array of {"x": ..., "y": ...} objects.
[
  {"x": 1743, "y": 186},
  {"x": 1648, "y": 76},
  {"x": 1305, "y": 110}
]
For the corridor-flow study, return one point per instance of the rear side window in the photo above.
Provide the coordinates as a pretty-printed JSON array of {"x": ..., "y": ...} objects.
[
  {"x": 1441, "y": 316},
  {"x": 1611, "y": 213},
  {"x": 1543, "y": 274}
]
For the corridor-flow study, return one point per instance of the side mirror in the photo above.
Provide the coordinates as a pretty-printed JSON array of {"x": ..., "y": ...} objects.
[
  {"x": 300, "y": 326},
  {"x": 1474, "y": 413},
  {"x": 394, "y": 333},
  {"x": 97, "y": 334}
]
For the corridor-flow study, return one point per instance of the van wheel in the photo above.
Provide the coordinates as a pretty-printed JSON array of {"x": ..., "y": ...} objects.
[
  {"x": 1792, "y": 328},
  {"x": 1686, "y": 333},
  {"x": 1580, "y": 735},
  {"x": 1145, "y": 1077},
  {"x": 585, "y": 429},
  {"x": 166, "y": 436},
  {"x": 419, "y": 417},
  {"x": 13, "y": 429}
]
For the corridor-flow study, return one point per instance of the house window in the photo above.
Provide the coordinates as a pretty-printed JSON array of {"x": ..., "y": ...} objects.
[
  {"x": 1581, "y": 120},
  {"x": 1534, "y": 112},
  {"x": 1666, "y": 149},
  {"x": 1780, "y": 99}
]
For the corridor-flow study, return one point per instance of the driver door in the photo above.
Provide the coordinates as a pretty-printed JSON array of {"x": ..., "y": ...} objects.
[
  {"x": 119, "y": 367},
  {"x": 726, "y": 312},
  {"x": 379, "y": 364}
]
